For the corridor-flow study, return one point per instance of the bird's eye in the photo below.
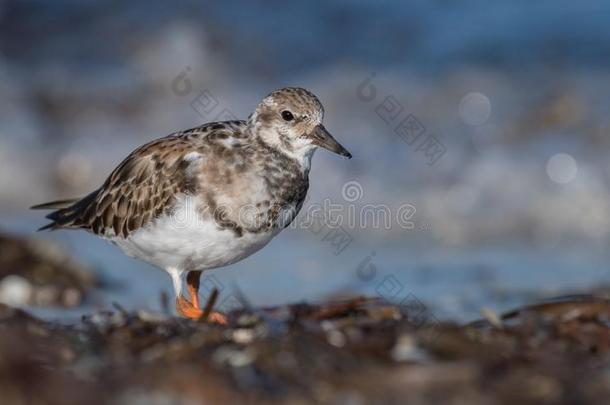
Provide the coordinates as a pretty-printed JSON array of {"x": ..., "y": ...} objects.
[{"x": 287, "y": 115}]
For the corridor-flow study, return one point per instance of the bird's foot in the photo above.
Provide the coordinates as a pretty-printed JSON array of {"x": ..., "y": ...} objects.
[
  {"x": 218, "y": 318},
  {"x": 186, "y": 308}
]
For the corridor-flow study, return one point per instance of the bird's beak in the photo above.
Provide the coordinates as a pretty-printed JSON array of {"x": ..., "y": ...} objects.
[{"x": 323, "y": 138}]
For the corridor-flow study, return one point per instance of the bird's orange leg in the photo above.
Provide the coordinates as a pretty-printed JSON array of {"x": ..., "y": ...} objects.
[
  {"x": 192, "y": 283},
  {"x": 191, "y": 308}
]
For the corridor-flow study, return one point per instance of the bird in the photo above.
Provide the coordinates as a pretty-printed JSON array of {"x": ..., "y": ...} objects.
[{"x": 209, "y": 196}]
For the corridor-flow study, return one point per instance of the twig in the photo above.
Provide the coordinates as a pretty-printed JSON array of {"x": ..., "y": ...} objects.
[{"x": 209, "y": 305}]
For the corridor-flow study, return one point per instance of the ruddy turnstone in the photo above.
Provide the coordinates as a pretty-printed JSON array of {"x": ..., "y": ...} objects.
[{"x": 209, "y": 196}]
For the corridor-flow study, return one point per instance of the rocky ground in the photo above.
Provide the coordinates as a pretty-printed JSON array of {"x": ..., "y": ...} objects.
[
  {"x": 39, "y": 273},
  {"x": 352, "y": 350},
  {"x": 348, "y": 352}
]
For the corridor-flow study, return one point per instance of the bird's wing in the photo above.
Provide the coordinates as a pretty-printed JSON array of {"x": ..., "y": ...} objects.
[{"x": 141, "y": 188}]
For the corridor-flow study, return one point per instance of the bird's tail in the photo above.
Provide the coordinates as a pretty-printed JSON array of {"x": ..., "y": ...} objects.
[
  {"x": 67, "y": 212},
  {"x": 55, "y": 205}
]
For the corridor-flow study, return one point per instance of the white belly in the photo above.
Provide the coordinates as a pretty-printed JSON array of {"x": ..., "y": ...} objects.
[{"x": 186, "y": 241}]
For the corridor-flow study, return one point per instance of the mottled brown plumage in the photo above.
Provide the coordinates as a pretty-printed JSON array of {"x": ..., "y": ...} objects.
[
  {"x": 146, "y": 183},
  {"x": 208, "y": 196}
]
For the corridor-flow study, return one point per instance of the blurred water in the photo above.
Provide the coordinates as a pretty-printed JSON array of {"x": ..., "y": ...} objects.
[
  {"x": 516, "y": 93},
  {"x": 449, "y": 283}
]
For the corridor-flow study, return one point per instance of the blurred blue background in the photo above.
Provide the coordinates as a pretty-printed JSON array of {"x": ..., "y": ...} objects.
[{"x": 514, "y": 95}]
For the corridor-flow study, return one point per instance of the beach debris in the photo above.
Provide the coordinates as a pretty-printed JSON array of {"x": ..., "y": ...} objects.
[
  {"x": 39, "y": 273},
  {"x": 355, "y": 350}
]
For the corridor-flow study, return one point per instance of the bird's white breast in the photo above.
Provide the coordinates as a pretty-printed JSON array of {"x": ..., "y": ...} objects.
[{"x": 188, "y": 240}]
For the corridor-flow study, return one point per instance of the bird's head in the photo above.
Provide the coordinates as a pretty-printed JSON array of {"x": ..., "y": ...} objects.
[{"x": 290, "y": 119}]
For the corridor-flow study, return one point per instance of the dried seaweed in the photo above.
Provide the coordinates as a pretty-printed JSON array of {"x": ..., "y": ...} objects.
[{"x": 354, "y": 350}]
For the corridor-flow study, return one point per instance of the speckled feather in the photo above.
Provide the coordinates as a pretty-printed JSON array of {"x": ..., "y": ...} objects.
[
  {"x": 145, "y": 185},
  {"x": 179, "y": 202}
]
